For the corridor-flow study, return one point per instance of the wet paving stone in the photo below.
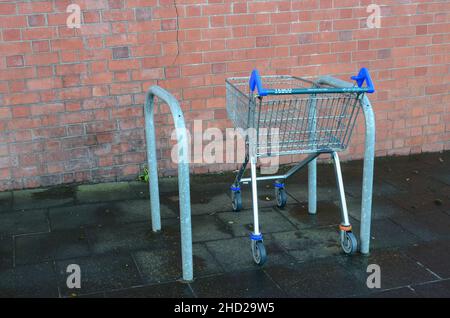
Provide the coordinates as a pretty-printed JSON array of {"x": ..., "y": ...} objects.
[
  {"x": 353, "y": 188},
  {"x": 444, "y": 178},
  {"x": 248, "y": 284},
  {"x": 120, "y": 255},
  {"x": 235, "y": 254},
  {"x": 24, "y": 222},
  {"x": 429, "y": 227},
  {"x": 6, "y": 201},
  {"x": 139, "y": 210},
  {"x": 208, "y": 228},
  {"x": 310, "y": 244},
  {"x": 169, "y": 290},
  {"x": 105, "y": 192},
  {"x": 241, "y": 223},
  {"x": 91, "y": 295},
  {"x": 222, "y": 203},
  {"x": 422, "y": 203},
  {"x": 158, "y": 266},
  {"x": 319, "y": 278},
  {"x": 43, "y": 198},
  {"x": 418, "y": 182},
  {"x": 35, "y": 281},
  {"x": 100, "y": 273},
  {"x": 6, "y": 252},
  {"x": 328, "y": 213},
  {"x": 36, "y": 248},
  {"x": 81, "y": 216},
  {"x": 437, "y": 289},
  {"x": 267, "y": 196},
  {"x": 134, "y": 236},
  {"x": 140, "y": 189},
  {"x": 403, "y": 292},
  {"x": 381, "y": 208},
  {"x": 299, "y": 191},
  {"x": 103, "y": 214},
  {"x": 405, "y": 163},
  {"x": 388, "y": 234},
  {"x": 397, "y": 269},
  {"x": 433, "y": 255}
]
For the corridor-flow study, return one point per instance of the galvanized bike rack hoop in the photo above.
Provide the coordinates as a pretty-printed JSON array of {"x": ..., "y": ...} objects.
[
  {"x": 183, "y": 173},
  {"x": 369, "y": 156}
]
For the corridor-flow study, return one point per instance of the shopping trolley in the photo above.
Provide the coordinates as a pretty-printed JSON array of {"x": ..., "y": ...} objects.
[{"x": 287, "y": 115}]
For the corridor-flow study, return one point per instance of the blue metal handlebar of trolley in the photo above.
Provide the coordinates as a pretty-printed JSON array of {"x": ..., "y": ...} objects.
[{"x": 363, "y": 76}]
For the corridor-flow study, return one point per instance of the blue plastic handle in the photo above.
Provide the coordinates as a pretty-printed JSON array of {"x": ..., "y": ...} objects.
[
  {"x": 364, "y": 76},
  {"x": 255, "y": 82}
]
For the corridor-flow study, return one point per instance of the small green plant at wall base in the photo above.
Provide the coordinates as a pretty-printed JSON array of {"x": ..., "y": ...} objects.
[{"x": 144, "y": 176}]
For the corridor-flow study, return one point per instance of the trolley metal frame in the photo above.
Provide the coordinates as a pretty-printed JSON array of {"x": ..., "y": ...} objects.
[{"x": 314, "y": 120}]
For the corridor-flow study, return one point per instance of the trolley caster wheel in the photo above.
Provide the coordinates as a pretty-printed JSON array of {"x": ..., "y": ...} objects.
[
  {"x": 236, "y": 200},
  {"x": 349, "y": 243},
  {"x": 259, "y": 252},
  {"x": 280, "y": 194}
]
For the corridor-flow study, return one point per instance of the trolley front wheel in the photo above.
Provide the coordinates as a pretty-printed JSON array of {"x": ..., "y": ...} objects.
[
  {"x": 259, "y": 252},
  {"x": 349, "y": 243},
  {"x": 281, "y": 196},
  {"x": 236, "y": 200}
]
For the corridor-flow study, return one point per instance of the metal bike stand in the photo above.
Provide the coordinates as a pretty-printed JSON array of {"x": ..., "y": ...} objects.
[
  {"x": 183, "y": 173},
  {"x": 369, "y": 155}
]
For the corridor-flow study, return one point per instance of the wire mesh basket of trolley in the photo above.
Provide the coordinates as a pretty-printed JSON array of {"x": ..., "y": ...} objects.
[{"x": 290, "y": 115}]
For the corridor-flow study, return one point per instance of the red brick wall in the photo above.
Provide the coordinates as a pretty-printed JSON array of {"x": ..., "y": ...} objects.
[{"x": 71, "y": 99}]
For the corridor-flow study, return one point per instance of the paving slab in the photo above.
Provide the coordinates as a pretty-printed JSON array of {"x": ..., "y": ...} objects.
[
  {"x": 235, "y": 254},
  {"x": 248, "y": 284},
  {"x": 421, "y": 203},
  {"x": 99, "y": 273},
  {"x": 435, "y": 256},
  {"x": 134, "y": 236},
  {"x": 405, "y": 163},
  {"x": 397, "y": 269},
  {"x": 6, "y": 201},
  {"x": 299, "y": 191},
  {"x": 415, "y": 181},
  {"x": 437, "y": 289},
  {"x": 35, "y": 281},
  {"x": 444, "y": 178},
  {"x": 403, "y": 292},
  {"x": 168, "y": 290},
  {"x": 105, "y": 192},
  {"x": 56, "y": 245},
  {"x": 6, "y": 252},
  {"x": 43, "y": 198},
  {"x": 381, "y": 208},
  {"x": 309, "y": 244},
  {"x": 440, "y": 160},
  {"x": 353, "y": 188},
  {"x": 24, "y": 222},
  {"x": 209, "y": 228},
  {"x": 387, "y": 234},
  {"x": 164, "y": 265},
  {"x": 328, "y": 213},
  {"x": 319, "y": 278},
  {"x": 106, "y": 229},
  {"x": 103, "y": 214},
  {"x": 429, "y": 227},
  {"x": 241, "y": 223},
  {"x": 222, "y": 203}
]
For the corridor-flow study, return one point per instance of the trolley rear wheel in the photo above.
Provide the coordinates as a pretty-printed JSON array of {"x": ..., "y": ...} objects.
[
  {"x": 349, "y": 243},
  {"x": 236, "y": 200},
  {"x": 259, "y": 252},
  {"x": 280, "y": 194}
]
